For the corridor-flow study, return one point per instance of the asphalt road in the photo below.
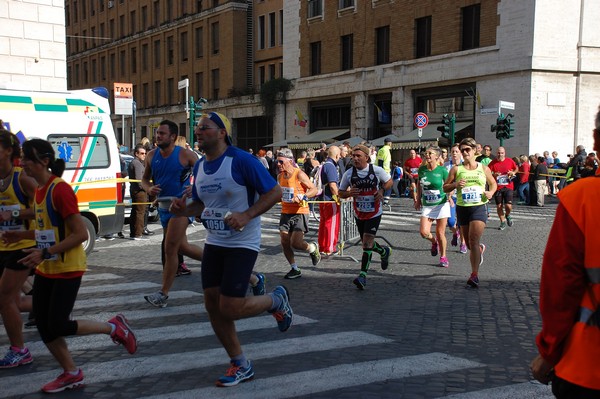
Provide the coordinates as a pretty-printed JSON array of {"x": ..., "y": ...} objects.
[{"x": 415, "y": 332}]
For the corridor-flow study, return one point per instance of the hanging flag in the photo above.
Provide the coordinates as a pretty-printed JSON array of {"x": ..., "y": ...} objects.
[
  {"x": 300, "y": 120},
  {"x": 382, "y": 115}
]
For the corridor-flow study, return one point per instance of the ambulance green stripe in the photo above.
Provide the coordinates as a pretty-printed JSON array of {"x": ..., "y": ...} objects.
[
  {"x": 15, "y": 99},
  {"x": 51, "y": 108}
]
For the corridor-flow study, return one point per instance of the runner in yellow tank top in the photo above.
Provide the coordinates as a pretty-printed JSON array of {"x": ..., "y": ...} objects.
[{"x": 469, "y": 180}]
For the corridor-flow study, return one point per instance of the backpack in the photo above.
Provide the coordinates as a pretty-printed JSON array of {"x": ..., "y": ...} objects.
[{"x": 315, "y": 175}]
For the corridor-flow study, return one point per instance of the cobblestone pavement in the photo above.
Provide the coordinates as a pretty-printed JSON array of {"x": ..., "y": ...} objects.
[{"x": 415, "y": 332}]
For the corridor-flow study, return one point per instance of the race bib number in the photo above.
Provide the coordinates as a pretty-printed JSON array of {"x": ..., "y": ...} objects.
[
  {"x": 288, "y": 194},
  {"x": 502, "y": 180},
  {"x": 472, "y": 194},
  {"x": 432, "y": 196},
  {"x": 13, "y": 224},
  {"x": 365, "y": 203},
  {"x": 46, "y": 239},
  {"x": 213, "y": 220},
  {"x": 414, "y": 171}
]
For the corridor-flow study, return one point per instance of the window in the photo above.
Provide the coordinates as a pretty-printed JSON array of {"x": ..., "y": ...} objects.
[
  {"x": 113, "y": 65},
  {"x": 111, "y": 29},
  {"x": 133, "y": 60},
  {"x": 183, "y": 42},
  {"x": 94, "y": 68},
  {"x": 170, "y": 51},
  {"x": 92, "y": 8},
  {"x": 103, "y": 67},
  {"x": 199, "y": 42},
  {"x": 470, "y": 26},
  {"x": 145, "y": 57},
  {"x": 382, "y": 45},
  {"x": 144, "y": 17},
  {"x": 101, "y": 6},
  {"x": 183, "y": 7},
  {"x": 122, "y": 25},
  {"x": 156, "y": 16},
  {"x": 423, "y": 37},
  {"x": 331, "y": 116},
  {"x": 315, "y": 8},
  {"x": 145, "y": 103},
  {"x": 93, "y": 35},
  {"x": 169, "y": 8},
  {"x": 347, "y": 52},
  {"x": 85, "y": 74},
  {"x": 315, "y": 58},
  {"x": 346, "y": 4},
  {"x": 281, "y": 27},
  {"x": 84, "y": 37},
  {"x": 77, "y": 75},
  {"x": 272, "y": 31},
  {"x": 67, "y": 15},
  {"x": 75, "y": 12},
  {"x": 122, "y": 62},
  {"x": 102, "y": 33},
  {"x": 157, "y": 54},
  {"x": 198, "y": 5},
  {"x": 157, "y": 102},
  {"x": 261, "y": 75},
  {"x": 97, "y": 158},
  {"x": 199, "y": 85},
  {"x": 261, "y": 32},
  {"x": 215, "y": 38},
  {"x": 83, "y": 9},
  {"x": 271, "y": 71},
  {"x": 170, "y": 90},
  {"x": 132, "y": 22},
  {"x": 216, "y": 83}
]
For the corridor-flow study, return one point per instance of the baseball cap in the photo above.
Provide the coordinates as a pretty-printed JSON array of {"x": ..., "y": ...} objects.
[
  {"x": 387, "y": 140},
  {"x": 223, "y": 122}
]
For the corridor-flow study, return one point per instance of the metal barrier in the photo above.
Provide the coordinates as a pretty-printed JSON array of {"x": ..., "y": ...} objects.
[{"x": 348, "y": 230}]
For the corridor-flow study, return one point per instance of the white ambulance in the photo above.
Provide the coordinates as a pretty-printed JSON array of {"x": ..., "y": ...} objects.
[{"x": 77, "y": 124}]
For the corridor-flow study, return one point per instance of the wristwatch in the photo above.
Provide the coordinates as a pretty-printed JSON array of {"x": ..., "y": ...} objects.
[
  {"x": 46, "y": 254},
  {"x": 16, "y": 213}
]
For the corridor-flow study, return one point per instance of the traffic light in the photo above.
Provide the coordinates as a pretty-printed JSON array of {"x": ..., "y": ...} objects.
[
  {"x": 503, "y": 127},
  {"x": 508, "y": 126},
  {"x": 446, "y": 127}
]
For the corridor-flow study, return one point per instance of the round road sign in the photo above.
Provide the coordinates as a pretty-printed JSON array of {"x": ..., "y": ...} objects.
[{"x": 421, "y": 120}]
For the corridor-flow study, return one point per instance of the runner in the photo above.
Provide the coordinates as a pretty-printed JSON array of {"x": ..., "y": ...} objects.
[
  {"x": 504, "y": 170},
  {"x": 455, "y": 160},
  {"x": 469, "y": 180},
  {"x": 366, "y": 183},
  {"x": 411, "y": 169},
  {"x": 293, "y": 223},
  {"x": 433, "y": 201}
]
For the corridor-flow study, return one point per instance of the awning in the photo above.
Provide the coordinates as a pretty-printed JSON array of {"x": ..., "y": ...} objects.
[
  {"x": 411, "y": 140},
  {"x": 352, "y": 141},
  {"x": 315, "y": 139},
  {"x": 277, "y": 144}
]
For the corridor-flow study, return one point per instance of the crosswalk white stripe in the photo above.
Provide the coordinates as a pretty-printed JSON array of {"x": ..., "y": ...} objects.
[
  {"x": 529, "y": 390},
  {"x": 136, "y": 285},
  {"x": 182, "y": 331},
  {"x": 140, "y": 366},
  {"x": 88, "y": 277},
  {"x": 195, "y": 309},
  {"x": 335, "y": 377},
  {"x": 128, "y": 300}
]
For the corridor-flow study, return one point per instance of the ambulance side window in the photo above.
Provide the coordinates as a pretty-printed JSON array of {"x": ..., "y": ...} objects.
[{"x": 81, "y": 151}]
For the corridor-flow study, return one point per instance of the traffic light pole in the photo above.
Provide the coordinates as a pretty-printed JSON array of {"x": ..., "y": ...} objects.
[{"x": 452, "y": 130}]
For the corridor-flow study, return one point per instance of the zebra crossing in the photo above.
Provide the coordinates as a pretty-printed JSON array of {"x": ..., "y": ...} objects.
[{"x": 126, "y": 297}]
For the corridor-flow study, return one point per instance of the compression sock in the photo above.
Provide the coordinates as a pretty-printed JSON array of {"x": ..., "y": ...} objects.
[
  {"x": 366, "y": 260},
  {"x": 378, "y": 248}
]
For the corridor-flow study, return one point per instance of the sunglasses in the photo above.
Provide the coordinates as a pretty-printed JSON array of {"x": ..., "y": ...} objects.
[
  {"x": 142, "y": 153},
  {"x": 466, "y": 149},
  {"x": 431, "y": 153}
]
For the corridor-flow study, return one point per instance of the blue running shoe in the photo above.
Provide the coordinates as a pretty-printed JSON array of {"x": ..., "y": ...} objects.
[
  {"x": 236, "y": 374},
  {"x": 260, "y": 286},
  {"x": 385, "y": 258},
  {"x": 360, "y": 282},
  {"x": 284, "y": 315}
]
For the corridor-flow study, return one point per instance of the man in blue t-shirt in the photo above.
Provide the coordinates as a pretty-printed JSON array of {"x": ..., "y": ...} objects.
[{"x": 231, "y": 190}]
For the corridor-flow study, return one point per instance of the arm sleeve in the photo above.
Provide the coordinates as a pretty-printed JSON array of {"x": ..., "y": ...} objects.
[
  {"x": 345, "y": 182},
  {"x": 562, "y": 285},
  {"x": 249, "y": 171}
]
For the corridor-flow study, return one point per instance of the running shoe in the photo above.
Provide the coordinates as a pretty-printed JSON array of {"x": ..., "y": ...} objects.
[
  {"x": 236, "y": 374},
  {"x": 455, "y": 238},
  {"x": 293, "y": 273},
  {"x": 315, "y": 255},
  {"x": 360, "y": 282},
  {"x": 444, "y": 262},
  {"x": 64, "y": 381},
  {"x": 434, "y": 248},
  {"x": 259, "y": 289},
  {"x": 482, "y": 247},
  {"x": 14, "y": 358},
  {"x": 157, "y": 299},
  {"x": 385, "y": 258},
  {"x": 509, "y": 221},
  {"x": 183, "y": 270},
  {"x": 284, "y": 314},
  {"x": 463, "y": 248},
  {"x": 123, "y": 334},
  {"x": 473, "y": 281},
  {"x": 502, "y": 226}
]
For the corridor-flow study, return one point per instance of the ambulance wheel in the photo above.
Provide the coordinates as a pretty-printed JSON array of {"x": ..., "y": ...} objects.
[{"x": 88, "y": 245}]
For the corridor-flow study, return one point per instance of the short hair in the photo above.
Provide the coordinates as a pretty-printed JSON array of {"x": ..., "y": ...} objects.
[
  {"x": 285, "y": 153},
  {"x": 173, "y": 128},
  {"x": 469, "y": 141}
]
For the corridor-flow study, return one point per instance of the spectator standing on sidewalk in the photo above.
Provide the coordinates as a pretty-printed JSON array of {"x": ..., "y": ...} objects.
[
  {"x": 293, "y": 223},
  {"x": 17, "y": 190},
  {"x": 384, "y": 160},
  {"x": 329, "y": 224},
  {"x": 539, "y": 177},
  {"x": 569, "y": 343},
  {"x": 523, "y": 180},
  {"x": 167, "y": 171},
  {"x": 61, "y": 263},
  {"x": 231, "y": 190},
  {"x": 138, "y": 195},
  {"x": 469, "y": 180},
  {"x": 366, "y": 183}
]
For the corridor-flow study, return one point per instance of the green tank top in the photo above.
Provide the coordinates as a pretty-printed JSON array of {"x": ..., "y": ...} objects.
[
  {"x": 432, "y": 183},
  {"x": 471, "y": 194}
]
